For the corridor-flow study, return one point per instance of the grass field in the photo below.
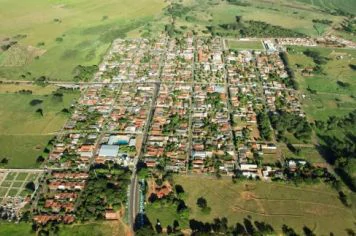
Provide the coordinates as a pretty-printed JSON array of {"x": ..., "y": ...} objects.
[
  {"x": 345, "y": 5},
  {"x": 19, "y": 229},
  {"x": 287, "y": 14},
  {"x": 331, "y": 98},
  {"x": 98, "y": 228},
  {"x": 86, "y": 28},
  {"x": 23, "y": 132},
  {"x": 315, "y": 206}
]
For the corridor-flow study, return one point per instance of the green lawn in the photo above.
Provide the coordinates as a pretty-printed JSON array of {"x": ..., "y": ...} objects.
[
  {"x": 86, "y": 27},
  {"x": 316, "y": 206}
]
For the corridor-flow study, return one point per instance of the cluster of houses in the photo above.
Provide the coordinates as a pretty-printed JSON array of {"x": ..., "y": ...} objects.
[
  {"x": 131, "y": 108},
  {"x": 328, "y": 41},
  {"x": 187, "y": 103},
  {"x": 57, "y": 202},
  {"x": 274, "y": 76},
  {"x": 178, "y": 64},
  {"x": 168, "y": 135}
]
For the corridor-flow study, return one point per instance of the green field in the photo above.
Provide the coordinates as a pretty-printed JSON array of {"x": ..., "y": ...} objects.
[
  {"x": 345, "y": 5},
  {"x": 287, "y": 14},
  {"x": 101, "y": 228},
  {"x": 24, "y": 132},
  {"x": 315, "y": 206},
  {"x": 86, "y": 28},
  {"x": 330, "y": 98},
  {"x": 98, "y": 228}
]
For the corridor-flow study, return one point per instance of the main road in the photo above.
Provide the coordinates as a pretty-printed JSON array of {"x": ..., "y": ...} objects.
[{"x": 133, "y": 198}]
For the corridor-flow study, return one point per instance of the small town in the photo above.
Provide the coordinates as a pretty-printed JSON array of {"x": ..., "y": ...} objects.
[{"x": 188, "y": 105}]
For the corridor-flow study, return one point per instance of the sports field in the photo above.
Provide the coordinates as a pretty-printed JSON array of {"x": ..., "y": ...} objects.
[
  {"x": 316, "y": 206},
  {"x": 60, "y": 35},
  {"x": 241, "y": 44}
]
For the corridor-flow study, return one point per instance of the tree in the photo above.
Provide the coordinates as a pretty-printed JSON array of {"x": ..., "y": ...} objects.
[
  {"x": 40, "y": 159},
  {"x": 31, "y": 186},
  {"x": 288, "y": 231},
  {"x": 179, "y": 189},
  {"x": 35, "y": 102},
  {"x": 39, "y": 111},
  {"x": 202, "y": 203},
  {"x": 308, "y": 232},
  {"x": 4, "y": 161}
]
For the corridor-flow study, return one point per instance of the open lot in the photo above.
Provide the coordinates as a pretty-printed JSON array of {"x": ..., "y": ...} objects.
[
  {"x": 316, "y": 206},
  {"x": 66, "y": 33}
]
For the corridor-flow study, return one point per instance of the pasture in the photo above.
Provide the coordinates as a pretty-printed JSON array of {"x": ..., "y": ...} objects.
[
  {"x": 316, "y": 206},
  {"x": 331, "y": 98},
  {"x": 287, "y": 14},
  {"x": 345, "y": 5},
  {"x": 60, "y": 35},
  {"x": 24, "y": 133}
]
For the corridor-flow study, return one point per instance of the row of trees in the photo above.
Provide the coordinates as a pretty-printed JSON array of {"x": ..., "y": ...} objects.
[
  {"x": 252, "y": 28},
  {"x": 220, "y": 226}
]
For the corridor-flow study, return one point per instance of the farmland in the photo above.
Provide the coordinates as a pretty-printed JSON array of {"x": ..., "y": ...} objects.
[
  {"x": 314, "y": 206},
  {"x": 24, "y": 133},
  {"x": 65, "y": 34}
]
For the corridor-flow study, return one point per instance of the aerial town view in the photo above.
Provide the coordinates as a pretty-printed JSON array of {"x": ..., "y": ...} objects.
[{"x": 178, "y": 117}]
